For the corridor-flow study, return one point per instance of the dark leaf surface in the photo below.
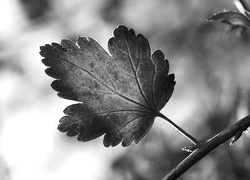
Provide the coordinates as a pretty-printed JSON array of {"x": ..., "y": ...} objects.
[{"x": 119, "y": 95}]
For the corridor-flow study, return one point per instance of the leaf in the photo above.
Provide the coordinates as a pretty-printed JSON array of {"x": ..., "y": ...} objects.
[
  {"x": 120, "y": 95},
  {"x": 231, "y": 17},
  {"x": 237, "y": 20}
]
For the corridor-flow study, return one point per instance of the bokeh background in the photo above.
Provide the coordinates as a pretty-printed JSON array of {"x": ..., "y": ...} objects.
[{"x": 212, "y": 91}]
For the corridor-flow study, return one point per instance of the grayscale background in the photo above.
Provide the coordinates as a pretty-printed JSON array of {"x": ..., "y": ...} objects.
[{"x": 212, "y": 91}]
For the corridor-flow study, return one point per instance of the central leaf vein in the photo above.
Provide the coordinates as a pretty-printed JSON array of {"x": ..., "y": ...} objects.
[
  {"x": 135, "y": 73},
  {"x": 108, "y": 113}
]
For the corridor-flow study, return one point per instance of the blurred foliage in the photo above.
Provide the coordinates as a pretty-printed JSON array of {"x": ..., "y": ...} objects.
[
  {"x": 4, "y": 171},
  {"x": 36, "y": 9},
  {"x": 110, "y": 11}
]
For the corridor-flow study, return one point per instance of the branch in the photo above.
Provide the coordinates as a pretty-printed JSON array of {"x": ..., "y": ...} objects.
[{"x": 208, "y": 146}]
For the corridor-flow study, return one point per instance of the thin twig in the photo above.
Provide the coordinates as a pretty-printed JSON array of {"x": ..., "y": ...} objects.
[
  {"x": 195, "y": 142},
  {"x": 208, "y": 146}
]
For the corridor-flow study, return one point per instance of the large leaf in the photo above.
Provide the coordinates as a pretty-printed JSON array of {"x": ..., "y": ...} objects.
[{"x": 120, "y": 95}]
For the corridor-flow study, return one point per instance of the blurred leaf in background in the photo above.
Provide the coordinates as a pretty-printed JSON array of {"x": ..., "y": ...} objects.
[
  {"x": 36, "y": 9},
  {"x": 238, "y": 21}
]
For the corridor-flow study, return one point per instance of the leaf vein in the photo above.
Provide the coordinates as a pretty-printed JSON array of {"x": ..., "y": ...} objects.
[
  {"x": 118, "y": 66},
  {"x": 153, "y": 90},
  {"x": 130, "y": 121},
  {"x": 86, "y": 72},
  {"x": 108, "y": 112},
  {"x": 135, "y": 73}
]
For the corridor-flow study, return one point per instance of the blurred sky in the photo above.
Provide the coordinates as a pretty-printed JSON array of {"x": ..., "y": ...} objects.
[{"x": 210, "y": 70}]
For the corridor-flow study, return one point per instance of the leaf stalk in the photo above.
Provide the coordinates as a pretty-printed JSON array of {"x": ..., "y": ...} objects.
[{"x": 180, "y": 130}]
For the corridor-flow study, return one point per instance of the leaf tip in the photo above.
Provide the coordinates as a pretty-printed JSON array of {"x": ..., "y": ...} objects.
[
  {"x": 42, "y": 49},
  {"x": 122, "y": 27},
  {"x": 158, "y": 54},
  {"x": 126, "y": 143}
]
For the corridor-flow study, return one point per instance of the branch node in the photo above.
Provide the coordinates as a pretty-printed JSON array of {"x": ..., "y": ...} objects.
[{"x": 192, "y": 147}]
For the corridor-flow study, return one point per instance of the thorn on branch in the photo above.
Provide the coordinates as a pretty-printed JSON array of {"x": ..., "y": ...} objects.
[{"x": 238, "y": 134}]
